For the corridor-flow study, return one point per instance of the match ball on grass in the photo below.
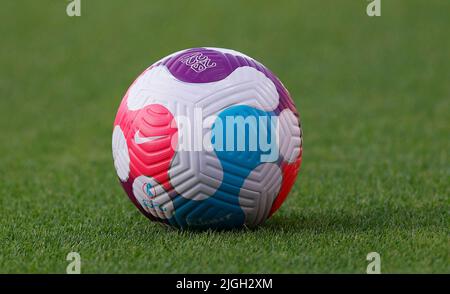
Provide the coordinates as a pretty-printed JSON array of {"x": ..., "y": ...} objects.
[{"x": 207, "y": 138}]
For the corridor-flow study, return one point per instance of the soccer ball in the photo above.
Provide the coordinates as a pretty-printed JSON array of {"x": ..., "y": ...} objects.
[{"x": 207, "y": 138}]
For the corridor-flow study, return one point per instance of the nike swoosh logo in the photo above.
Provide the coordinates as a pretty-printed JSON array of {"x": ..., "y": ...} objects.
[{"x": 141, "y": 140}]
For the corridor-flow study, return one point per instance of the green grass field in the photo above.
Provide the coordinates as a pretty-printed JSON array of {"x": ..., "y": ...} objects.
[{"x": 374, "y": 99}]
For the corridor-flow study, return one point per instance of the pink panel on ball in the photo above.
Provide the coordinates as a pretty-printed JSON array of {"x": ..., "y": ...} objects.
[{"x": 289, "y": 172}]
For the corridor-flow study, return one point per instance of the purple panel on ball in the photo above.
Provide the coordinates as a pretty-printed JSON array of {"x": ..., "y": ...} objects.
[{"x": 201, "y": 65}]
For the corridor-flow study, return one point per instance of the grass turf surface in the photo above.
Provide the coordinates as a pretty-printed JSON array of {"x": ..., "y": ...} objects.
[{"x": 373, "y": 94}]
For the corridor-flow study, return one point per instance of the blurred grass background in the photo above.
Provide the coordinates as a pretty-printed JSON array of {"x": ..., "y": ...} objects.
[{"x": 373, "y": 94}]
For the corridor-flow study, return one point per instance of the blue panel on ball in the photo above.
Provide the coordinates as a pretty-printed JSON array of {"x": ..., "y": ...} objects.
[{"x": 242, "y": 138}]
